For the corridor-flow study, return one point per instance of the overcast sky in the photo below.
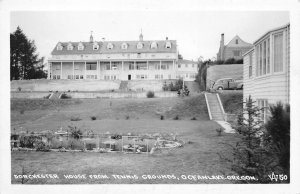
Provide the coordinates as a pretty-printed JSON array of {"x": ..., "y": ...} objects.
[{"x": 197, "y": 32}]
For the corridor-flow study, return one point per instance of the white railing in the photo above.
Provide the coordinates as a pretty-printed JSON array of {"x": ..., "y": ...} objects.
[
  {"x": 208, "y": 108},
  {"x": 221, "y": 105}
]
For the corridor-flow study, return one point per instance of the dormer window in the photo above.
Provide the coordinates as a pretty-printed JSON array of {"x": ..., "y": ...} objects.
[
  {"x": 95, "y": 46},
  {"x": 139, "y": 45},
  {"x": 124, "y": 45},
  {"x": 70, "y": 46},
  {"x": 168, "y": 45},
  {"x": 110, "y": 46},
  {"x": 153, "y": 45},
  {"x": 59, "y": 47},
  {"x": 80, "y": 46}
]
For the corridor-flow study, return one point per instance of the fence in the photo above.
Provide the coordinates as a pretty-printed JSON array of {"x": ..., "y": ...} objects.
[{"x": 91, "y": 142}]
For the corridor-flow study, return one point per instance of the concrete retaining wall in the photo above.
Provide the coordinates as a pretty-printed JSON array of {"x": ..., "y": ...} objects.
[
  {"x": 120, "y": 95},
  {"x": 29, "y": 94},
  {"x": 64, "y": 85},
  {"x": 94, "y": 94}
]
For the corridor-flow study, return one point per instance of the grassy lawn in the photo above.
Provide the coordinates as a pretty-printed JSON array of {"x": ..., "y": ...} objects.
[
  {"x": 198, "y": 157},
  {"x": 232, "y": 101}
]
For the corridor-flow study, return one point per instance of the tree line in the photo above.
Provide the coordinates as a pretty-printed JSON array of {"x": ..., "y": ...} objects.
[{"x": 24, "y": 61}]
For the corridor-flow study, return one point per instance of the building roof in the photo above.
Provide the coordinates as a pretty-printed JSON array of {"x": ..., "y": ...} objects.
[
  {"x": 272, "y": 30},
  {"x": 184, "y": 61},
  {"x": 131, "y": 47},
  {"x": 240, "y": 42}
]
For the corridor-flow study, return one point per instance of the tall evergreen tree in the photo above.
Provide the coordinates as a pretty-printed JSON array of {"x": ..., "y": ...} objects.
[{"x": 24, "y": 62}]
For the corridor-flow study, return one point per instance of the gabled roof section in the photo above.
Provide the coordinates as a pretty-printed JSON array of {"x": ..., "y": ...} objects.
[
  {"x": 117, "y": 47},
  {"x": 238, "y": 42}
]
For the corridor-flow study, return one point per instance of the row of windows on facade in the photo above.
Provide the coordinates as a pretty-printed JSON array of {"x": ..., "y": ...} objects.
[
  {"x": 110, "y": 46},
  {"x": 114, "y": 77},
  {"x": 131, "y": 66},
  {"x": 262, "y": 51}
]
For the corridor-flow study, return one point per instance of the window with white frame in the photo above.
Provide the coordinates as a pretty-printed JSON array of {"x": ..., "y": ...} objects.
[
  {"x": 278, "y": 52},
  {"x": 153, "y": 45},
  {"x": 114, "y": 66},
  {"x": 168, "y": 45},
  {"x": 157, "y": 66},
  {"x": 250, "y": 64},
  {"x": 80, "y": 46},
  {"x": 95, "y": 46},
  {"x": 164, "y": 66},
  {"x": 264, "y": 109},
  {"x": 139, "y": 45},
  {"x": 113, "y": 77},
  {"x": 70, "y": 46},
  {"x": 263, "y": 57},
  {"x": 59, "y": 47},
  {"x": 110, "y": 46},
  {"x": 124, "y": 45},
  {"x": 91, "y": 66}
]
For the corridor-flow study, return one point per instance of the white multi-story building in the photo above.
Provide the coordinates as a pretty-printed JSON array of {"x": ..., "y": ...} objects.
[
  {"x": 117, "y": 60},
  {"x": 267, "y": 69}
]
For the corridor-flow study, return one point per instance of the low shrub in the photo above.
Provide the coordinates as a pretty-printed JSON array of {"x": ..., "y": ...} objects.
[
  {"x": 194, "y": 118},
  {"x": 29, "y": 141},
  {"x": 93, "y": 118},
  {"x": 150, "y": 94},
  {"x": 76, "y": 144},
  {"x": 22, "y": 111},
  {"x": 176, "y": 117},
  {"x": 127, "y": 117},
  {"x": 73, "y": 118},
  {"x": 75, "y": 133},
  {"x": 90, "y": 146},
  {"x": 19, "y": 89},
  {"x": 65, "y": 96},
  {"x": 162, "y": 117},
  {"x": 42, "y": 147}
]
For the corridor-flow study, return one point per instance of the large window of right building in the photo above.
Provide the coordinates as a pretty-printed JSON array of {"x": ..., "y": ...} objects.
[{"x": 278, "y": 52}]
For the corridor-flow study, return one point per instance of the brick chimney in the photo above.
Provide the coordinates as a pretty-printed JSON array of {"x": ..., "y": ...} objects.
[{"x": 222, "y": 47}]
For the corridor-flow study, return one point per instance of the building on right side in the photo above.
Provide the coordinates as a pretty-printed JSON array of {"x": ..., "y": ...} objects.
[{"x": 266, "y": 70}]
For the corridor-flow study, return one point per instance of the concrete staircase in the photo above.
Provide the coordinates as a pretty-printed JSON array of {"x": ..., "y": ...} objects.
[
  {"x": 123, "y": 86},
  {"x": 215, "y": 107},
  {"x": 55, "y": 95}
]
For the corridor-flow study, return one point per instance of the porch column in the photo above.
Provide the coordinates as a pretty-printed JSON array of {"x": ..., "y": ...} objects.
[
  {"x": 173, "y": 69},
  {"x": 60, "y": 70},
  {"x": 159, "y": 69},
  {"x": 147, "y": 69},
  {"x": 98, "y": 69},
  {"x": 85, "y": 70},
  {"x": 110, "y": 70},
  {"x": 49, "y": 69},
  {"x": 122, "y": 73},
  {"x": 73, "y": 71}
]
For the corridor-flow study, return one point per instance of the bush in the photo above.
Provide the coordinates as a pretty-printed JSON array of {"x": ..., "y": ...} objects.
[
  {"x": 93, "y": 118},
  {"x": 19, "y": 89},
  {"x": 162, "y": 117},
  {"x": 277, "y": 137},
  {"x": 42, "y": 147},
  {"x": 29, "y": 141},
  {"x": 76, "y": 145},
  {"x": 127, "y": 117},
  {"x": 150, "y": 94},
  {"x": 22, "y": 111},
  {"x": 165, "y": 87},
  {"x": 194, "y": 118},
  {"x": 75, "y": 118},
  {"x": 65, "y": 96},
  {"x": 176, "y": 117},
  {"x": 75, "y": 133}
]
